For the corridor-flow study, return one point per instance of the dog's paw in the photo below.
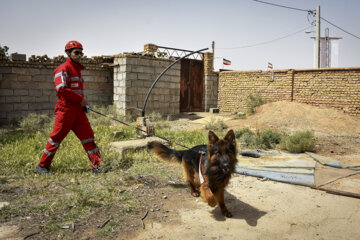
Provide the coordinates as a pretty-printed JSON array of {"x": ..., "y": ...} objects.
[
  {"x": 195, "y": 194},
  {"x": 227, "y": 214}
]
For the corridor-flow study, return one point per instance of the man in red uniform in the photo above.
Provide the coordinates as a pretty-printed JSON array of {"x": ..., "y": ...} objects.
[{"x": 69, "y": 110}]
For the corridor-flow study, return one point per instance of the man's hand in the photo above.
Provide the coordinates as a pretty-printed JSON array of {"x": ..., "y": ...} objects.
[{"x": 83, "y": 102}]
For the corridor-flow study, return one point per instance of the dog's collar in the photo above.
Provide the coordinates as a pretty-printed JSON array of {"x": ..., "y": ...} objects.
[{"x": 200, "y": 172}]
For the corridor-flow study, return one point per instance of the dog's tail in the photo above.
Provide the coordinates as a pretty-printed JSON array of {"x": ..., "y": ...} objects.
[{"x": 164, "y": 152}]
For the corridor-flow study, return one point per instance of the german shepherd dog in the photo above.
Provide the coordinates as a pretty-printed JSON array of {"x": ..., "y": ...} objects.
[{"x": 212, "y": 163}]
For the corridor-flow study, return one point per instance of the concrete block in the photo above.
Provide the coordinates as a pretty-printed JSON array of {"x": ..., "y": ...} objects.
[
  {"x": 144, "y": 76},
  {"x": 88, "y": 78},
  {"x": 46, "y": 85},
  {"x": 7, "y": 107},
  {"x": 27, "y": 99},
  {"x": 44, "y": 92},
  {"x": 19, "y": 70},
  {"x": 10, "y": 77},
  {"x": 99, "y": 79},
  {"x": 131, "y": 61},
  {"x": 17, "y": 57},
  {"x": 5, "y": 84},
  {"x": 32, "y": 71},
  {"x": 119, "y": 61},
  {"x": 131, "y": 76},
  {"x": 2, "y": 99},
  {"x": 126, "y": 68},
  {"x": 12, "y": 99},
  {"x": 21, "y": 107},
  {"x": 15, "y": 116},
  {"x": 24, "y": 78},
  {"x": 6, "y": 92},
  {"x": 47, "y": 71},
  {"x": 42, "y": 99},
  {"x": 5, "y": 69},
  {"x": 39, "y": 106},
  {"x": 137, "y": 69},
  {"x": 214, "y": 110},
  {"x": 41, "y": 78},
  {"x": 149, "y": 69},
  {"x": 136, "y": 83}
]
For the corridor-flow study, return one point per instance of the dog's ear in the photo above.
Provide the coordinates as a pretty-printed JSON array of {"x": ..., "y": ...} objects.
[
  {"x": 212, "y": 137},
  {"x": 230, "y": 137}
]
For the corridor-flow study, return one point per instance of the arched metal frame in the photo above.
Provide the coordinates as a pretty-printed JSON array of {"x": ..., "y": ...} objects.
[{"x": 161, "y": 74}]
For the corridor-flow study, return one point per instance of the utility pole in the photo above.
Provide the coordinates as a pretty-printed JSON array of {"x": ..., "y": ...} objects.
[{"x": 317, "y": 44}]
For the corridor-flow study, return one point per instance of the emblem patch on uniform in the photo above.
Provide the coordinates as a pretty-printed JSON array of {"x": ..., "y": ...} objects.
[{"x": 74, "y": 85}]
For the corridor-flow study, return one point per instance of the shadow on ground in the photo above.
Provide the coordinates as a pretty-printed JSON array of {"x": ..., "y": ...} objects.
[{"x": 239, "y": 210}]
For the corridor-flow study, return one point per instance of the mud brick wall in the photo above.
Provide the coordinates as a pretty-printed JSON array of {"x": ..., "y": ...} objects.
[
  {"x": 333, "y": 87},
  {"x": 27, "y": 87},
  {"x": 133, "y": 76}
]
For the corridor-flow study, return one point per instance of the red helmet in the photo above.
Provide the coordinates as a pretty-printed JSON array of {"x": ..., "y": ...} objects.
[{"x": 73, "y": 44}]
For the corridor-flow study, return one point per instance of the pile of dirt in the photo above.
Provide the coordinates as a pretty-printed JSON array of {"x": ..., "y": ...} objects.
[{"x": 294, "y": 116}]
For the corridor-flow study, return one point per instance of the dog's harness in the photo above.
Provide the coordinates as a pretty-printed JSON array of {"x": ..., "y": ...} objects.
[{"x": 200, "y": 173}]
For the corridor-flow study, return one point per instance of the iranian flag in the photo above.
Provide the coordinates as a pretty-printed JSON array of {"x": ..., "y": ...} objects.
[
  {"x": 226, "y": 62},
  {"x": 270, "y": 65}
]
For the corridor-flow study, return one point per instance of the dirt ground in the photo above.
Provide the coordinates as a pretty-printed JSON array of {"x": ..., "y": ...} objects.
[
  {"x": 261, "y": 209},
  {"x": 274, "y": 210}
]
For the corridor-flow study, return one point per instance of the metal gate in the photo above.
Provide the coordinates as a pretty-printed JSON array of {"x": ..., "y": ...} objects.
[{"x": 191, "y": 85}]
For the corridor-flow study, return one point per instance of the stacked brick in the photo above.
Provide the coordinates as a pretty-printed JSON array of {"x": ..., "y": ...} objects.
[
  {"x": 335, "y": 87},
  {"x": 133, "y": 77},
  {"x": 27, "y": 87}
]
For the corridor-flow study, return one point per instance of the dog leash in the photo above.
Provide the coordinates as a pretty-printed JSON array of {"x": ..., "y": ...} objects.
[{"x": 201, "y": 152}]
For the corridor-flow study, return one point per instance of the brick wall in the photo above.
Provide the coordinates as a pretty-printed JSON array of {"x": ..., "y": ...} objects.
[
  {"x": 27, "y": 87},
  {"x": 133, "y": 76},
  {"x": 333, "y": 87}
]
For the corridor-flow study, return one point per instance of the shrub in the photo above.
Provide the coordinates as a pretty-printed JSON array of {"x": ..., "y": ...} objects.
[
  {"x": 300, "y": 141},
  {"x": 254, "y": 100},
  {"x": 4, "y": 51},
  {"x": 216, "y": 125},
  {"x": 267, "y": 139},
  {"x": 246, "y": 137},
  {"x": 155, "y": 117}
]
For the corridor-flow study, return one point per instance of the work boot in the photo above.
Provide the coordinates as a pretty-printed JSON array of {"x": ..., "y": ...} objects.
[
  {"x": 42, "y": 170},
  {"x": 97, "y": 170}
]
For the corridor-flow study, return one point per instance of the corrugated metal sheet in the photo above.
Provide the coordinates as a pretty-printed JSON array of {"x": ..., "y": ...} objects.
[
  {"x": 332, "y": 162},
  {"x": 291, "y": 168}
]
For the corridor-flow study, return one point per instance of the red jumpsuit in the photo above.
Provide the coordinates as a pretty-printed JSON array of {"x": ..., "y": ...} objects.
[{"x": 69, "y": 115}]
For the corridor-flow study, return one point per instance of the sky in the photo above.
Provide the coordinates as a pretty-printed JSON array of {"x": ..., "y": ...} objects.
[{"x": 248, "y": 33}]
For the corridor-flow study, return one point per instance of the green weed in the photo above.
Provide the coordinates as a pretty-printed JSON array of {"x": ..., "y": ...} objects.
[
  {"x": 254, "y": 100},
  {"x": 300, "y": 141},
  {"x": 265, "y": 139},
  {"x": 35, "y": 122},
  {"x": 216, "y": 125}
]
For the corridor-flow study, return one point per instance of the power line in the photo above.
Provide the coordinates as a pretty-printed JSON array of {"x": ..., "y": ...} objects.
[
  {"x": 278, "y": 5},
  {"x": 339, "y": 28},
  {"x": 266, "y": 42},
  {"x": 310, "y": 12}
]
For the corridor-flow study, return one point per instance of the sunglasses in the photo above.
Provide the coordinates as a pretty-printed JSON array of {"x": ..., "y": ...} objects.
[{"x": 78, "y": 53}]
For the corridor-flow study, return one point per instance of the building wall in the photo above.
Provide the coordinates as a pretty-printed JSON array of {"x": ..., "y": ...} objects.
[
  {"x": 332, "y": 87},
  {"x": 27, "y": 87},
  {"x": 133, "y": 77},
  {"x": 210, "y": 82}
]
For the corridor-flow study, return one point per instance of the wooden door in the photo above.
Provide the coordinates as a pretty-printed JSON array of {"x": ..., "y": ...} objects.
[{"x": 191, "y": 85}]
